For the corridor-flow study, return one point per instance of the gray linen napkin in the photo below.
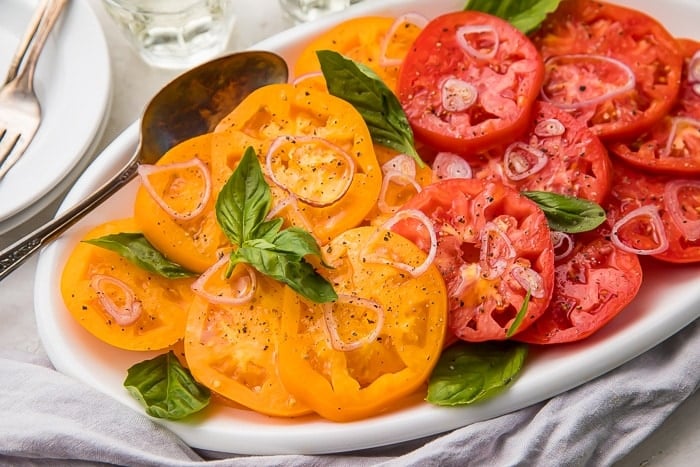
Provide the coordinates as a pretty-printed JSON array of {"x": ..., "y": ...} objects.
[{"x": 51, "y": 419}]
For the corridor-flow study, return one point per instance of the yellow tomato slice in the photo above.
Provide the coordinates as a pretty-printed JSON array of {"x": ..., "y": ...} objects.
[
  {"x": 321, "y": 165},
  {"x": 363, "y": 40},
  {"x": 191, "y": 242},
  {"x": 92, "y": 272},
  {"x": 378, "y": 343},
  {"x": 232, "y": 350}
]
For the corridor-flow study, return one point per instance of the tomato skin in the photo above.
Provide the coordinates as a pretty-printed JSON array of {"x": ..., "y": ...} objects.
[
  {"x": 592, "y": 285},
  {"x": 620, "y": 33},
  {"x": 577, "y": 162},
  {"x": 632, "y": 189},
  {"x": 461, "y": 210},
  {"x": 163, "y": 301},
  {"x": 648, "y": 151},
  {"x": 350, "y": 384},
  {"x": 507, "y": 85}
]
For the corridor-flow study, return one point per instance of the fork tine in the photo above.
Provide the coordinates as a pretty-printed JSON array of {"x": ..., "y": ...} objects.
[{"x": 11, "y": 149}]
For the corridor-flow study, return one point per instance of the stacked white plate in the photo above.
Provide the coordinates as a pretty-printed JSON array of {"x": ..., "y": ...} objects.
[{"x": 73, "y": 84}]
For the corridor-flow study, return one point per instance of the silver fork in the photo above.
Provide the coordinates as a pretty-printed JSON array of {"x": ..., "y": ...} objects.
[{"x": 20, "y": 111}]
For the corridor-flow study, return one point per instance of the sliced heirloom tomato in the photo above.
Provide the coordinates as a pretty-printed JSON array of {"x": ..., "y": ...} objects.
[
  {"x": 469, "y": 82},
  {"x": 593, "y": 281},
  {"x": 363, "y": 354},
  {"x": 558, "y": 154},
  {"x": 616, "y": 68},
  {"x": 672, "y": 145},
  {"x": 121, "y": 303},
  {"x": 174, "y": 205},
  {"x": 232, "y": 347},
  {"x": 655, "y": 215},
  {"x": 375, "y": 41},
  {"x": 493, "y": 247},
  {"x": 315, "y": 150}
]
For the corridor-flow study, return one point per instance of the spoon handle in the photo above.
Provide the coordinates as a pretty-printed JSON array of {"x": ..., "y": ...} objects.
[{"x": 14, "y": 255}]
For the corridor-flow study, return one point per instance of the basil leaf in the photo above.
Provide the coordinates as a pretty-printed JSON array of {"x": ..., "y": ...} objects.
[
  {"x": 289, "y": 269},
  {"x": 165, "y": 388},
  {"x": 244, "y": 201},
  {"x": 568, "y": 213},
  {"x": 138, "y": 250},
  {"x": 526, "y": 15},
  {"x": 520, "y": 316},
  {"x": 379, "y": 107},
  {"x": 467, "y": 373},
  {"x": 241, "y": 209}
]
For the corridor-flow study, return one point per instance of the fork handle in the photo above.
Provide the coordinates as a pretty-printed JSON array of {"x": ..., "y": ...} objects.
[
  {"x": 53, "y": 11},
  {"x": 17, "y": 253},
  {"x": 29, "y": 34}
]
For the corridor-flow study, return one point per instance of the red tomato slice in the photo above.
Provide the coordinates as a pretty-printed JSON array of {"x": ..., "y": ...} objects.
[
  {"x": 592, "y": 284},
  {"x": 493, "y": 246},
  {"x": 657, "y": 214},
  {"x": 559, "y": 154},
  {"x": 673, "y": 144},
  {"x": 615, "y": 67},
  {"x": 469, "y": 82}
]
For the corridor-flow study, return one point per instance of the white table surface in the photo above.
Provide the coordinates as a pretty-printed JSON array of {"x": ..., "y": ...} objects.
[{"x": 675, "y": 443}]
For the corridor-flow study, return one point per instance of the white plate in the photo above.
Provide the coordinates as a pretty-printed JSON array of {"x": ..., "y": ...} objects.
[
  {"x": 73, "y": 84},
  {"x": 668, "y": 301}
]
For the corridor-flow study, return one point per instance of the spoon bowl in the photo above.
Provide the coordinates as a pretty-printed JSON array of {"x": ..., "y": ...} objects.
[{"x": 190, "y": 105}]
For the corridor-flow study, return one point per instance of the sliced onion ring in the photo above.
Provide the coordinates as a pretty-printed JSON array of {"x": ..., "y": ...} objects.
[
  {"x": 627, "y": 86},
  {"x": 478, "y": 29},
  {"x": 549, "y": 127},
  {"x": 492, "y": 263},
  {"x": 415, "y": 271},
  {"x": 123, "y": 315},
  {"x": 678, "y": 123},
  {"x": 146, "y": 170},
  {"x": 306, "y": 76},
  {"x": 559, "y": 239},
  {"x": 457, "y": 95},
  {"x": 450, "y": 165},
  {"x": 336, "y": 342},
  {"x": 200, "y": 285},
  {"x": 650, "y": 211},
  {"x": 688, "y": 227},
  {"x": 280, "y": 140},
  {"x": 518, "y": 168},
  {"x": 399, "y": 178},
  {"x": 401, "y": 163},
  {"x": 411, "y": 18},
  {"x": 694, "y": 68},
  {"x": 529, "y": 279}
]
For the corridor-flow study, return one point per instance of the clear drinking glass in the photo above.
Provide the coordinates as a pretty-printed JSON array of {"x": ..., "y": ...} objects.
[
  {"x": 174, "y": 34},
  {"x": 307, "y": 10}
]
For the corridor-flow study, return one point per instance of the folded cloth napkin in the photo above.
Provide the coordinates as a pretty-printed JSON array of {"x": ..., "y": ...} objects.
[{"x": 49, "y": 418}]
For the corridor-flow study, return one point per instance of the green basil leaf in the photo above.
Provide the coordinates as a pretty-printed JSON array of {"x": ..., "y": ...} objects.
[
  {"x": 298, "y": 242},
  {"x": 520, "y": 316},
  {"x": 467, "y": 373},
  {"x": 526, "y": 15},
  {"x": 288, "y": 269},
  {"x": 379, "y": 107},
  {"x": 244, "y": 201},
  {"x": 165, "y": 388},
  {"x": 568, "y": 213},
  {"x": 138, "y": 250}
]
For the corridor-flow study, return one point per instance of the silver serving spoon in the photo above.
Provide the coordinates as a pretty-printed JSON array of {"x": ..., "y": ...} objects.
[{"x": 190, "y": 105}]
